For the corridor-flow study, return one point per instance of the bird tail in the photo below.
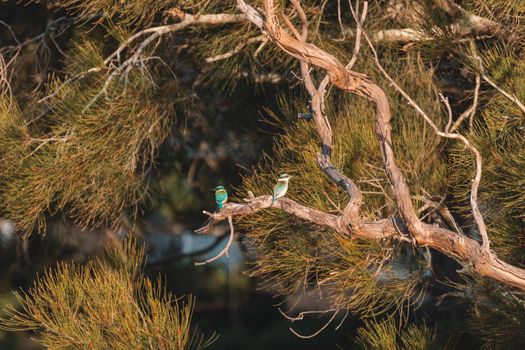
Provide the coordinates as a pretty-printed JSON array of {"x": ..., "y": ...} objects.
[
  {"x": 273, "y": 200},
  {"x": 219, "y": 205}
]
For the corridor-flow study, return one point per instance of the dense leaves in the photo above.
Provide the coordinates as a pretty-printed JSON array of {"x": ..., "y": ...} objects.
[{"x": 105, "y": 304}]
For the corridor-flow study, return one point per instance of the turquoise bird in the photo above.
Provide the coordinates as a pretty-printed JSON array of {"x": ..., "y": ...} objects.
[
  {"x": 221, "y": 196},
  {"x": 280, "y": 189}
]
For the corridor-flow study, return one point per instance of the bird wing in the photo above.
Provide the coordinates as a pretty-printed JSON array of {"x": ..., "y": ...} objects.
[{"x": 279, "y": 188}]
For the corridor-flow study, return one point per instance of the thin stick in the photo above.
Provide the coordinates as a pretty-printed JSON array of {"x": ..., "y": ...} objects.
[
  {"x": 319, "y": 331},
  {"x": 224, "y": 251},
  {"x": 449, "y": 111},
  {"x": 237, "y": 49},
  {"x": 301, "y": 315},
  {"x": 471, "y": 111},
  {"x": 358, "y": 32},
  {"x": 510, "y": 97}
]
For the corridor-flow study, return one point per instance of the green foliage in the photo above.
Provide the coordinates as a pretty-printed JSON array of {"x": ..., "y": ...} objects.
[
  {"x": 385, "y": 335},
  {"x": 105, "y": 304},
  {"x": 126, "y": 12},
  {"x": 497, "y": 315},
  {"x": 91, "y": 158},
  {"x": 89, "y": 152},
  {"x": 13, "y": 133}
]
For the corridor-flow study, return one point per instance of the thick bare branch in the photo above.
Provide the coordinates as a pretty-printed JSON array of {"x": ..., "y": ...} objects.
[
  {"x": 372, "y": 230},
  {"x": 478, "y": 218},
  {"x": 457, "y": 246},
  {"x": 351, "y": 212}
]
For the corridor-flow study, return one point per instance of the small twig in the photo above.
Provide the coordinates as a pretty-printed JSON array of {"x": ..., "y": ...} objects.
[
  {"x": 259, "y": 49},
  {"x": 319, "y": 331},
  {"x": 10, "y": 31},
  {"x": 301, "y": 315},
  {"x": 237, "y": 49},
  {"x": 449, "y": 111},
  {"x": 358, "y": 32},
  {"x": 471, "y": 111},
  {"x": 510, "y": 97},
  {"x": 224, "y": 251},
  {"x": 343, "y": 36},
  {"x": 347, "y": 311}
]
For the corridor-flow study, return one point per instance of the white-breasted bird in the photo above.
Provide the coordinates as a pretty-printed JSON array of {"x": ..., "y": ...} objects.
[{"x": 280, "y": 189}]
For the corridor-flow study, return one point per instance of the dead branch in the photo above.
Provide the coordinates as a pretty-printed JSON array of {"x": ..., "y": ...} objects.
[
  {"x": 381, "y": 229},
  {"x": 358, "y": 31},
  {"x": 350, "y": 216},
  {"x": 313, "y": 335},
  {"x": 478, "y": 218}
]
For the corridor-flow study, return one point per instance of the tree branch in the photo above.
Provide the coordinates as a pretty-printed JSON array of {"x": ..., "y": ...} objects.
[
  {"x": 351, "y": 212},
  {"x": 478, "y": 218},
  {"x": 471, "y": 111},
  {"x": 224, "y": 251},
  {"x": 510, "y": 97},
  {"x": 381, "y": 229}
]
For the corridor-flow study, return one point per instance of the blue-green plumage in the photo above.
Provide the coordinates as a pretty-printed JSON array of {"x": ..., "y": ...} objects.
[
  {"x": 280, "y": 189},
  {"x": 221, "y": 196}
]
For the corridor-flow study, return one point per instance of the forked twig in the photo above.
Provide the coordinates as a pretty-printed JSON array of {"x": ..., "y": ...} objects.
[
  {"x": 318, "y": 331},
  {"x": 224, "y": 251}
]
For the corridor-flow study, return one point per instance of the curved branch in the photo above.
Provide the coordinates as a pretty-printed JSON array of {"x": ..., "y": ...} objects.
[
  {"x": 461, "y": 248},
  {"x": 350, "y": 215},
  {"x": 478, "y": 218},
  {"x": 381, "y": 229}
]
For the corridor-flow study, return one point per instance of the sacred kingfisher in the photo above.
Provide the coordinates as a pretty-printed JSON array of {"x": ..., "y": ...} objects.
[
  {"x": 279, "y": 190},
  {"x": 221, "y": 196}
]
